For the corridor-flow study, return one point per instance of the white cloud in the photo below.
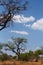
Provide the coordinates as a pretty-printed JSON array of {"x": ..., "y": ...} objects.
[
  {"x": 38, "y": 25},
  {"x": 20, "y": 32},
  {"x": 22, "y": 19}
]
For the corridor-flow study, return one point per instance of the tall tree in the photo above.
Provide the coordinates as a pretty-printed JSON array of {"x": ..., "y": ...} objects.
[
  {"x": 16, "y": 45},
  {"x": 10, "y": 8}
]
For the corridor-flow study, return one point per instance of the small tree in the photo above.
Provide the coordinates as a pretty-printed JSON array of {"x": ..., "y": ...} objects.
[
  {"x": 16, "y": 45},
  {"x": 37, "y": 53}
]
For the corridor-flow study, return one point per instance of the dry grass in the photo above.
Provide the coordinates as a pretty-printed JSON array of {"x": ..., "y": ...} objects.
[{"x": 12, "y": 62}]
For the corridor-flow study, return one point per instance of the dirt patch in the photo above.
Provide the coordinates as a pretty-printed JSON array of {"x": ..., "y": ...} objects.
[{"x": 19, "y": 63}]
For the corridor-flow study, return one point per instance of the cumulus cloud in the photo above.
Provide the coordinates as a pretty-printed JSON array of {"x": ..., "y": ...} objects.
[
  {"x": 20, "y": 32},
  {"x": 22, "y": 19},
  {"x": 38, "y": 25}
]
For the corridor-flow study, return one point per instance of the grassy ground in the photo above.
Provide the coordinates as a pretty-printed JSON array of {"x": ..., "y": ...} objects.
[{"x": 12, "y": 62}]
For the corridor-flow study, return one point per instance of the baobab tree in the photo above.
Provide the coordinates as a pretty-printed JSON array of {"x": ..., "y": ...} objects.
[{"x": 9, "y": 9}]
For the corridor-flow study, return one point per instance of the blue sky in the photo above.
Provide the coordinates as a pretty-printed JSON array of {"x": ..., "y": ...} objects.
[{"x": 28, "y": 25}]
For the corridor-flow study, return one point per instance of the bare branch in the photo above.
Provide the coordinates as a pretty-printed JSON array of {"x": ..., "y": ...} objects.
[{"x": 12, "y": 7}]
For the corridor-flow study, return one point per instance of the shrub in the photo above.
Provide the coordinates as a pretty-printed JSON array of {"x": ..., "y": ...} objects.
[{"x": 4, "y": 57}]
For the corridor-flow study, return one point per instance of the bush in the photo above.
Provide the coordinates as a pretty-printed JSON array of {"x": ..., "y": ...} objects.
[
  {"x": 14, "y": 57},
  {"x": 4, "y": 57},
  {"x": 23, "y": 57}
]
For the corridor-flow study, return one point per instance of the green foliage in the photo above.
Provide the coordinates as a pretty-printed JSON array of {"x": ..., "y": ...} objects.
[
  {"x": 16, "y": 45},
  {"x": 13, "y": 57},
  {"x": 4, "y": 57},
  {"x": 31, "y": 55},
  {"x": 27, "y": 56},
  {"x": 23, "y": 56},
  {"x": 38, "y": 52}
]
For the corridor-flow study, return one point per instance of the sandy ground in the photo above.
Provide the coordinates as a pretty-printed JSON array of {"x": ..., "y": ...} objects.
[{"x": 20, "y": 63}]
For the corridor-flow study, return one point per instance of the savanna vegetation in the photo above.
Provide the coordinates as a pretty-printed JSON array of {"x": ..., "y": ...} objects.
[
  {"x": 17, "y": 46},
  {"x": 30, "y": 58}
]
